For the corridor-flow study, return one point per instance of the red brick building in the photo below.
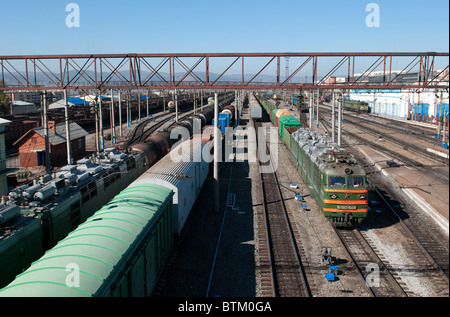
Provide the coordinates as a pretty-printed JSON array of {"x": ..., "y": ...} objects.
[{"x": 32, "y": 144}]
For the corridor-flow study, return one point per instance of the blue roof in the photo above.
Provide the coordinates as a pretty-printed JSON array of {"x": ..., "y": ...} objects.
[
  {"x": 77, "y": 101},
  {"x": 142, "y": 97}
]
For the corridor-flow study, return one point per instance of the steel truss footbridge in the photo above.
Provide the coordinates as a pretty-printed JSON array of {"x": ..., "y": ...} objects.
[{"x": 217, "y": 71}]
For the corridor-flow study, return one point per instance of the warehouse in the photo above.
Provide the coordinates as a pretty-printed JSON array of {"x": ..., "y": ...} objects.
[
  {"x": 32, "y": 144},
  {"x": 22, "y": 107},
  {"x": 423, "y": 106}
]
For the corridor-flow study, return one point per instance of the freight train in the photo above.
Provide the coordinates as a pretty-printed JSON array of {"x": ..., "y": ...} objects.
[
  {"x": 185, "y": 103},
  {"x": 333, "y": 176},
  {"x": 34, "y": 218},
  {"x": 164, "y": 140},
  {"x": 122, "y": 249},
  {"x": 255, "y": 109}
]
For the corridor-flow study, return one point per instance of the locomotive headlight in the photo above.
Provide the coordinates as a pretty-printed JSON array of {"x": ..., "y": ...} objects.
[
  {"x": 362, "y": 196},
  {"x": 333, "y": 196}
]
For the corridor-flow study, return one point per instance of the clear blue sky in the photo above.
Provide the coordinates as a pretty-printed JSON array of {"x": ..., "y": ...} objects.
[{"x": 204, "y": 26}]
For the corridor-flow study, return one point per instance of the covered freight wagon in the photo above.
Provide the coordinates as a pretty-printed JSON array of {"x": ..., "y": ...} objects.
[
  {"x": 184, "y": 171},
  {"x": 222, "y": 124},
  {"x": 272, "y": 115},
  {"x": 119, "y": 251},
  {"x": 287, "y": 121},
  {"x": 280, "y": 113},
  {"x": 256, "y": 111}
]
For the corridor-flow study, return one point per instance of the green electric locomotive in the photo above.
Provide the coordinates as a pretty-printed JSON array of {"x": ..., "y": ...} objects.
[
  {"x": 357, "y": 106},
  {"x": 333, "y": 177}
]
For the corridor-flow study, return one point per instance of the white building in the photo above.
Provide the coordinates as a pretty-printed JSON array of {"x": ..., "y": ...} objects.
[
  {"x": 22, "y": 107},
  {"x": 404, "y": 103},
  {"x": 35, "y": 97},
  {"x": 423, "y": 105}
]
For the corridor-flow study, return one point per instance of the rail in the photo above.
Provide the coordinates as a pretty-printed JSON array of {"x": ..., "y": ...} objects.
[
  {"x": 287, "y": 274},
  {"x": 427, "y": 239}
]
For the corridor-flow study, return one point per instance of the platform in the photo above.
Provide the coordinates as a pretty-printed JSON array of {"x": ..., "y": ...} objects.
[{"x": 429, "y": 191}]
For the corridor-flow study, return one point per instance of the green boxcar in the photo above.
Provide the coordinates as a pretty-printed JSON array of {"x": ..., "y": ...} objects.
[
  {"x": 286, "y": 121},
  {"x": 119, "y": 251},
  {"x": 17, "y": 251},
  {"x": 267, "y": 105}
]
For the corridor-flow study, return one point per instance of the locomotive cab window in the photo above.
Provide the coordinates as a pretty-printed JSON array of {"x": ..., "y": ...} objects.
[
  {"x": 355, "y": 181},
  {"x": 336, "y": 181}
]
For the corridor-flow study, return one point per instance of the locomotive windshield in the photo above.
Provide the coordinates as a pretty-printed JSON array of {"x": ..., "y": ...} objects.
[
  {"x": 336, "y": 181},
  {"x": 355, "y": 181},
  {"x": 343, "y": 182}
]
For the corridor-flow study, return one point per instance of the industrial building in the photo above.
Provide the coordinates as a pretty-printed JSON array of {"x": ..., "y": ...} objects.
[
  {"x": 405, "y": 104},
  {"x": 22, "y": 107},
  {"x": 32, "y": 144},
  {"x": 35, "y": 97},
  {"x": 423, "y": 105}
]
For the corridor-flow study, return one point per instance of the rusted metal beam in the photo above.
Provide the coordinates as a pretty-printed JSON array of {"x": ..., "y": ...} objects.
[
  {"x": 225, "y": 71},
  {"x": 56, "y": 70},
  {"x": 234, "y": 86},
  {"x": 329, "y": 54}
]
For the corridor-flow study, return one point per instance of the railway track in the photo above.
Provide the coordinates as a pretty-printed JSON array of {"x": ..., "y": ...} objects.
[
  {"x": 427, "y": 244},
  {"x": 423, "y": 133},
  {"x": 282, "y": 271},
  {"x": 392, "y": 131},
  {"x": 428, "y": 240},
  {"x": 379, "y": 279},
  {"x": 141, "y": 132},
  {"x": 380, "y": 147},
  {"x": 410, "y": 146}
]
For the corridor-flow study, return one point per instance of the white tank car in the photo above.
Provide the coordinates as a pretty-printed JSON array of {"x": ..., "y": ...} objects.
[{"x": 171, "y": 106}]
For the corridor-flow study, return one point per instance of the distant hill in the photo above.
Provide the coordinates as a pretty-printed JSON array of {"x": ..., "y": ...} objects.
[{"x": 81, "y": 79}]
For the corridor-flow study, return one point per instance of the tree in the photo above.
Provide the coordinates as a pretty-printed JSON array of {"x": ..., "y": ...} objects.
[{"x": 4, "y": 101}]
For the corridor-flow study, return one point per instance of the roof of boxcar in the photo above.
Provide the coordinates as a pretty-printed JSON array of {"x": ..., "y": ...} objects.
[
  {"x": 288, "y": 119},
  {"x": 95, "y": 249},
  {"x": 282, "y": 112},
  {"x": 177, "y": 162},
  {"x": 169, "y": 170}
]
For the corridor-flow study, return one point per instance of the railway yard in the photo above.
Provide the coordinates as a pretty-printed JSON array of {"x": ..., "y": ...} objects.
[
  {"x": 270, "y": 243},
  {"x": 194, "y": 157},
  {"x": 269, "y": 237}
]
